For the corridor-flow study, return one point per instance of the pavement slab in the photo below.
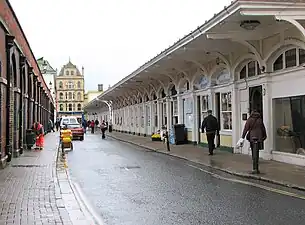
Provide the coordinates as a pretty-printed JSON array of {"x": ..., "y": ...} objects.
[{"x": 237, "y": 164}]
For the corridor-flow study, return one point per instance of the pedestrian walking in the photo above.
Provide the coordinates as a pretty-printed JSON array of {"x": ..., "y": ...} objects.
[
  {"x": 103, "y": 129},
  {"x": 50, "y": 126},
  {"x": 39, "y": 131},
  {"x": 57, "y": 124},
  {"x": 92, "y": 125},
  {"x": 211, "y": 126},
  {"x": 255, "y": 132}
]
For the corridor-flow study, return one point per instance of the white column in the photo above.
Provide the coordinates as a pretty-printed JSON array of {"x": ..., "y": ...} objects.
[
  {"x": 129, "y": 118},
  {"x": 168, "y": 113},
  {"x": 195, "y": 120},
  {"x": 267, "y": 115},
  {"x": 180, "y": 109},
  {"x": 236, "y": 117}
]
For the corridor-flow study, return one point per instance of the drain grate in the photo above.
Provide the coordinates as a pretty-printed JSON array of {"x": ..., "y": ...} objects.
[{"x": 29, "y": 165}]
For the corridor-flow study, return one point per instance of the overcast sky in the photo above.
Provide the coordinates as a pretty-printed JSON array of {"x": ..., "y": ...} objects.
[{"x": 109, "y": 38}]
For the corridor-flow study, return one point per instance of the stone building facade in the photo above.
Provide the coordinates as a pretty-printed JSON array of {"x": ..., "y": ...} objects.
[
  {"x": 251, "y": 55},
  {"x": 24, "y": 96},
  {"x": 70, "y": 91}
]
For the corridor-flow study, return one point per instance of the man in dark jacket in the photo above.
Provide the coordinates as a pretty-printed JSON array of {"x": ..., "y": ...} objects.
[{"x": 211, "y": 126}]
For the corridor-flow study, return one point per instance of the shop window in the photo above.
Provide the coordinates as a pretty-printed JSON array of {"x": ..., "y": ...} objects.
[
  {"x": 204, "y": 106},
  {"x": 164, "y": 113},
  {"x": 226, "y": 111},
  {"x": 301, "y": 56},
  {"x": 251, "y": 69},
  {"x": 61, "y": 96},
  {"x": 79, "y": 107},
  {"x": 289, "y": 124},
  {"x": 290, "y": 58},
  {"x": 70, "y": 108},
  {"x": 155, "y": 110},
  {"x": 60, "y": 85},
  {"x": 148, "y": 115},
  {"x": 61, "y": 107}
]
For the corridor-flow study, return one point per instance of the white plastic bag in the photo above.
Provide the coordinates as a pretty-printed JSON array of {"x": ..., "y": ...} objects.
[{"x": 240, "y": 143}]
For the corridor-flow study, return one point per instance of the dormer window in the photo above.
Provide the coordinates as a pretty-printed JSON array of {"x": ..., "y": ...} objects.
[
  {"x": 72, "y": 73},
  {"x": 67, "y": 73}
]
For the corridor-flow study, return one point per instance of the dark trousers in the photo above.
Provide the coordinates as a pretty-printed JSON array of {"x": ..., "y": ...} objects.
[
  {"x": 211, "y": 141},
  {"x": 103, "y": 133},
  {"x": 255, "y": 155},
  {"x": 92, "y": 130}
]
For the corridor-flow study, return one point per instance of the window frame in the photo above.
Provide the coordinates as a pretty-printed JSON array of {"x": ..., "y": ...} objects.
[
  {"x": 246, "y": 66},
  {"x": 283, "y": 56},
  {"x": 222, "y": 112}
]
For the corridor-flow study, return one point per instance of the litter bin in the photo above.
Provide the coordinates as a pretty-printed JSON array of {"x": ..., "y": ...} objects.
[
  {"x": 30, "y": 138},
  {"x": 110, "y": 128}
]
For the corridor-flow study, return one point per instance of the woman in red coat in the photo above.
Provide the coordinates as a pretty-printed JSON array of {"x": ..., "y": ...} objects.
[{"x": 39, "y": 131}]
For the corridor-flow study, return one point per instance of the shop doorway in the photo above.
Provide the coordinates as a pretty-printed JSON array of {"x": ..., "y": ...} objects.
[
  {"x": 218, "y": 106},
  {"x": 256, "y": 99},
  {"x": 199, "y": 118}
]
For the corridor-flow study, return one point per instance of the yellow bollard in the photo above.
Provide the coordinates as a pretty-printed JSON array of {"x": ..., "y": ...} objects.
[{"x": 65, "y": 164}]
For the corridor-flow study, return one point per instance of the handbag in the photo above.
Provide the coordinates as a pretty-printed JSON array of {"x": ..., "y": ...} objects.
[{"x": 248, "y": 134}]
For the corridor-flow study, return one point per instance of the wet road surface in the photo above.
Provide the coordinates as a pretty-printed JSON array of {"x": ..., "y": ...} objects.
[{"x": 128, "y": 185}]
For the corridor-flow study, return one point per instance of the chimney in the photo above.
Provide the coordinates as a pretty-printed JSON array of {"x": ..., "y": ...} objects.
[
  {"x": 83, "y": 71},
  {"x": 100, "y": 87}
]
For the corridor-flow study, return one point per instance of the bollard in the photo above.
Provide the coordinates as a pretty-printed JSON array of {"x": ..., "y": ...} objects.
[{"x": 255, "y": 155}]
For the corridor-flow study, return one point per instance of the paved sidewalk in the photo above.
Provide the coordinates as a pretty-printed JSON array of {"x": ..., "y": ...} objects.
[
  {"x": 27, "y": 189},
  {"x": 237, "y": 164},
  {"x": 35, "y": 190}
]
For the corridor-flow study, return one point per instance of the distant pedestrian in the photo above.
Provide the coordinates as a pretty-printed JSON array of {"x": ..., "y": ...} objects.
[
  {"x": 211, "y": 126},
  {"x": 92, "y": 125},
  {"x": 103, "y": 129},
  {"x": 57, "y": 124},
  {"x": 255, "y": 132}
]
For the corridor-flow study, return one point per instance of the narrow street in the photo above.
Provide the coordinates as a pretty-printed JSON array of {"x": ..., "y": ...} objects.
[{"x": 128, "y": 185}]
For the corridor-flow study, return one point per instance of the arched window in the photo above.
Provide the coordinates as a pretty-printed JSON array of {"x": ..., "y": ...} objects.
[
  {"x": 70, "y": 107},
  {"x": 61, "y": 107},
  {"x": 78, "y": 84},
  {"x": 251, "y": 69},
  {"x": 70, "y": 95},
  {"x": 78, "y": 96},
  {"x": 290, "y": 58},
  {"x": 79, "y": 107},
  {"x": 60, "y": 84},
  {"x": 61, "y": 96}
]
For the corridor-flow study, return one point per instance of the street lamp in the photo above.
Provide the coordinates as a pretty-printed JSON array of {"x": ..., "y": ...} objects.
[{"x": 109, "y": 104}]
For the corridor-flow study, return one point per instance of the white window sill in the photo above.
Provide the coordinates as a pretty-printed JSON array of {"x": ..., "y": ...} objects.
[{"x": 225, "y": 132}]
